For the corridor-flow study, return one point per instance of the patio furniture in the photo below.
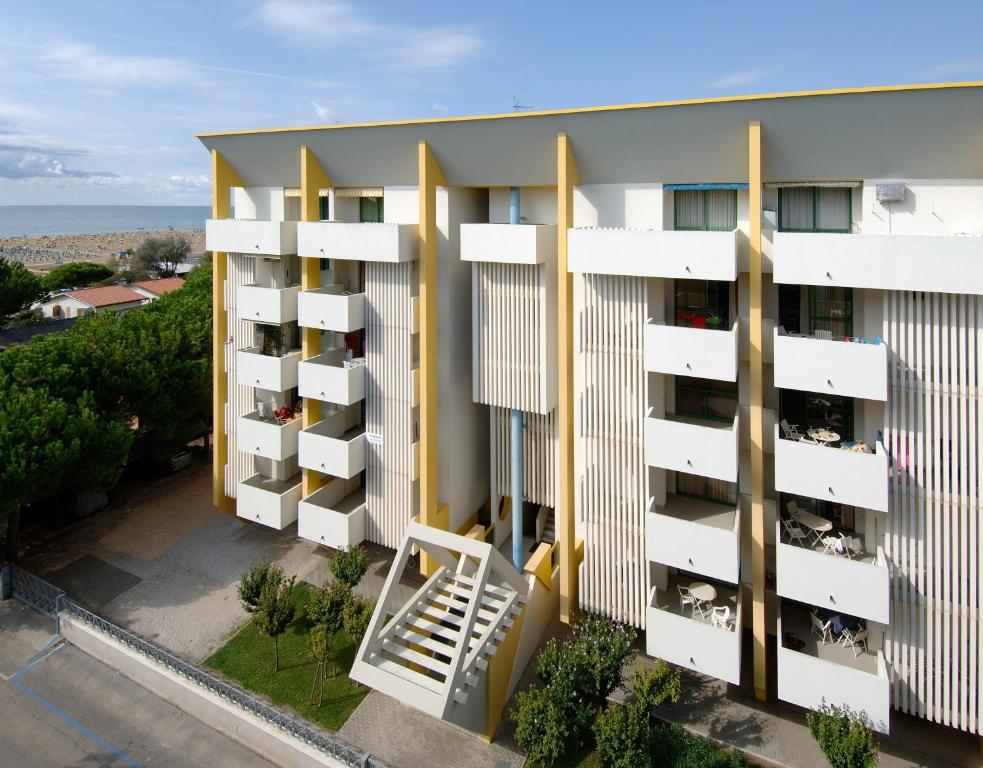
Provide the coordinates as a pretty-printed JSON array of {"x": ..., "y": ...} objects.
[
  {"x": 790, "y": 431},
  {"x": 703, "y": 594},
  {"x": 833, "y": 545},
  {"x": 721, "y": 617},
  {"x": 685, "y": 598},
  {"x": 855, "y": 640},
  {"x": 852, "y": 545},
  {"x": 823, "y": 631},
  {"x": 823, "y": 436},
  {"x": 816, "y": 524},
  {"x": 795, "y": 534}
]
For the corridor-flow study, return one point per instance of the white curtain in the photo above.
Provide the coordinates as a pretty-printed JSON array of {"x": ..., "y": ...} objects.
[
  {"x": 689, "y": 208},
  {"x": 797, "y": 208},
  {"x": 832, "y": 208},
  {"x": 721, "y": 209}
]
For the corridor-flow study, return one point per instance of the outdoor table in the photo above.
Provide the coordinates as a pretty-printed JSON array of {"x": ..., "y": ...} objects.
[
  {"x": 818, "y": 525},
  {"x": 823, "y": 436},
  {"x": 703, "y": 593}
]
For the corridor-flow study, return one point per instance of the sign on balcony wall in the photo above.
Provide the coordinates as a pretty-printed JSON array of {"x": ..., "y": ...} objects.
[{"x": 373, "y": 438}]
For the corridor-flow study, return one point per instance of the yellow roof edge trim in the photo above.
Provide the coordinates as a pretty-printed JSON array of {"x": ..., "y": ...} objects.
[{"x": 606, "y": 108}]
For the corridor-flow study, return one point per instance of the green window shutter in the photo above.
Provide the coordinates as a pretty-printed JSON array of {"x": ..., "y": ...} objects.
[{"x": 370, "y": 210}]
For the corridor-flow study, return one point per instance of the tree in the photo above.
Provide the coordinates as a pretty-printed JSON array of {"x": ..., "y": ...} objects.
[
  {"x": 251, "y": 584},
  {"x": 321, "y": 648},
  {"x": 844, "y": 736},
  {"x": 541, "y": 726},
  {"x": 356, "y": 616},
  {"x": 623, "y": 734},
  {"x": 162, "y": 254},
  {"x": 349, "y": 565},
  {"x": 326, "y": 606},
  {"x": 275, "y": 609},
  {"x": 658, "y": 685},
  {"x": 19, "y": 287},
  {"x": 76, "y": 274}
]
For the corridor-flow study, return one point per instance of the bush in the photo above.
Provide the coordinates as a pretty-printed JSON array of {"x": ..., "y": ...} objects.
[
  {"x": 326, "y": 605},
  {"x": 355, "y": 617},
  {"x": 658, "y": 685},
  {"x": 844, "y": 736},
  {"x": 622, "y": 735},
  {"x": 672, "y": 747},
  {"x": 77, "y": 274},
  {"x": 541, "y": 726},
  {"x": 349, "y": 565},
  {"x": 251, "y": 584}
]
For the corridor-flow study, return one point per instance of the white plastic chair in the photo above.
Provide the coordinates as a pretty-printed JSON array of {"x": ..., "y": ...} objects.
[
  {"x": 721, "y": 617},
  {"x": 794, "y": 533},
  {"x": 855, "y": 640},
  {"x": 790, "y": 431},
  {"x": 833, "y": 545},
  {"x": 686, "y": 598},
  {"x": 823, "y": 631},
  {"x": 852, "y": 545}
]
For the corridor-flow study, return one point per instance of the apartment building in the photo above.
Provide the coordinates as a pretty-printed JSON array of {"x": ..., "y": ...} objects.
[{"x": 707, "y": 367}]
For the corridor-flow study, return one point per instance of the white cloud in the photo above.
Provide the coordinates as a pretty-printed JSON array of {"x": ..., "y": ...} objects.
[
  {"x": 440, "y": 109},
  {"x": 83, "y": 63},
  {"x": 331, "y": 23},
  {"x": 742, "y": 77},
  {"x": 325, "y": 114}
]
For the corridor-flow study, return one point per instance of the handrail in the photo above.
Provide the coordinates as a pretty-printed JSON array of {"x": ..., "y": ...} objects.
[{"x": 540, "y": 564}]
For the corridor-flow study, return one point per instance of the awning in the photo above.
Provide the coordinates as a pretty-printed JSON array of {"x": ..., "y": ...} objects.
[
  {"x": 787, "y": 184},
  {"x": 358, "y": 192},
  {"x": 728, "y": 185}
]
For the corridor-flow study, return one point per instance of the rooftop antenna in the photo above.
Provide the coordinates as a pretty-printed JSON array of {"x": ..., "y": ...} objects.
[{"x": 517, "y": 106}]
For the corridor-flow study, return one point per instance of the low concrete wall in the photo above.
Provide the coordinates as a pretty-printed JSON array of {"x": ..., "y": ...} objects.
[{"x": 254, "y": 733}]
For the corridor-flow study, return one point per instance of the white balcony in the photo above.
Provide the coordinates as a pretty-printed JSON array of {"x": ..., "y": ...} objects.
[
  {"x": 943, "y": 263},
  {"x": 833, "y": 367},
  {"x": 683, "y": 637},
  {"x": 264, "y": 437},
  {"x": 508, "y": 243},
  {"x": 696, "y": 446},
  {"x": 358, "y": 242},
  {"x": 331, "y": 378},
  {"x": 269, "y": 502},
  {"x": 331, "y": 309},
  {"x": 251, "y": 237},
  {"x": 857, "y": 585},
  {"x": 333, "y": 516},
  {"x": 830, "y": 672},
  {"x": 653, "y": 253},
  {"x": 267, "y": 305},
  {"x": 327, "y": 447},
  {"x": 695, "y": 535},
  {"x": 700, "y": 352},
  {"x": 277, "y": 374},
  {"x": 832, "y": 474}
]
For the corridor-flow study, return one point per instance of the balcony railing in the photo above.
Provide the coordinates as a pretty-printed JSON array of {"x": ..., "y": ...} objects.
[
  {"x": 278, "y": 374},
  {"x": 938, "y": 263},
  {"x": 251, "y": 237},
  {"x": 857, "y": 583},
  {"x": 332, "y": 378},
  {"x": 701, "y": 352},
  {"x": 331, "y": 309},
  {"x": 508, "y": 243},
  {"x": 267, "y": 305},
  {"x": 268, "y": 437},
  {"x": 333, "y": 516},
  {"x": 695, "y": 446},
  {"x": 695, "y": 535},
  {"x": 267, "y": 501},
  {"x": 654, "y": 253},
  {"x": 839, "y": 475},
  {"x": 358, "y": 242},
  {"x": 328, "y": 447},
  {"x": 835, "y": 367}
]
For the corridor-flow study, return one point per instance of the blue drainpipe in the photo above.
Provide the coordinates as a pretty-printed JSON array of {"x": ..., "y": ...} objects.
[{"x": 517, "y": 465}]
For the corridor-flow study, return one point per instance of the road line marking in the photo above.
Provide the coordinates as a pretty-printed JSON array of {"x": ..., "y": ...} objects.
[{"x": 55, "y": 646}]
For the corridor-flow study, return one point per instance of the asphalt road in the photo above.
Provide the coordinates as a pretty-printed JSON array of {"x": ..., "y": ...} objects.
[{"x": 60, "y": 708}]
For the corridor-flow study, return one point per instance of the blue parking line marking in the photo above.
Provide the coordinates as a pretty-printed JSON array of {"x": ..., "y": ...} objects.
[
  {"x": 38, "y": 657},
  {"x": 15, "y": 680}
]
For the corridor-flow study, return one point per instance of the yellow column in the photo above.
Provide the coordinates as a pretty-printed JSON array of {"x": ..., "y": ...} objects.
[
  {"x": 224, "y": 178},
  {"x": 758, "y": 625},
  {"x": 566, "y": 179},
  {"x": 312, "y": 180},
  {"x": 430, "y": 513}
]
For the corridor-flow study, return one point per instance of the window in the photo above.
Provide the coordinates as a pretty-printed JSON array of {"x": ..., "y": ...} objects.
[
  {"x": 706, "y": 488},
  {"x": 324, "y": 264},
  {"x": 370, "y": 210},
  {"x": 706, "y": 399},
  {"x": 815, "y": 209},
  {"x": 705, "y": 209},
  {"x": 831, "y": 309},
  {"x": 323, "y": 208},
  {"x": 702, "y": 303}
]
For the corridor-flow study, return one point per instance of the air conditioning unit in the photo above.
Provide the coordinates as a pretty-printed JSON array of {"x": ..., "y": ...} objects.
[{"x": 891, "y": 192}]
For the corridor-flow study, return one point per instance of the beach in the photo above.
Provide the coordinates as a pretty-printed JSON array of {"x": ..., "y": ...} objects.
[{"x": 43, "y": 252}]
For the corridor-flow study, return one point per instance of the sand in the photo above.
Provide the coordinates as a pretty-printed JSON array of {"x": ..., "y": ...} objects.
[{"x": 42, "y": 253}]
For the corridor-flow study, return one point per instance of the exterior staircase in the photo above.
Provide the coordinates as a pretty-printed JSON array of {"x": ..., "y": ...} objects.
[
  {"x": 549, "y": 531},
  {"x": 432, "y": 651}
]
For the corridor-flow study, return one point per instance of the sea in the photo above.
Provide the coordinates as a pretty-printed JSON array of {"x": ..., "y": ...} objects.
[{"x": 30, "y": 220}]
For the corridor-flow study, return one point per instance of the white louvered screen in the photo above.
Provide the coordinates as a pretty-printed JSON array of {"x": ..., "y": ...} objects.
[
  {"x": 539, "y": 455},
  {"x": 391, "y": 498},
  {"x": 933, "y": 530},
  {"x": 610, "y": 493},
  {"x": 241, "y": 399}
]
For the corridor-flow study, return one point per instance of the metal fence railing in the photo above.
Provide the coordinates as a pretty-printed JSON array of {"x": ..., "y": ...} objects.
[{"x": 52, "y": 601}]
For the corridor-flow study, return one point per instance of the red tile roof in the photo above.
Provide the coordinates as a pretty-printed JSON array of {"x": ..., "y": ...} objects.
[
  {"x": 106, "y": 296},
  {"x": 160, "y": 287}
]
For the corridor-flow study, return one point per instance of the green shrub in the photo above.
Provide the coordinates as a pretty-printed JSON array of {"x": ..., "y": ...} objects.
[
  {"x": 251, "y": 584},
  {"x": 672, "y": 747},
  {"x": 844, "y": 736},
  {"x": 77, "y": 274},
  {"x": 603, "y": 647},
  {"x": 660, "y": 684},
  {"x": 349, "y": 565},
  {"x": 622, "y": 734},
  {"x": 326, "y": 606},
  {"x": 541, "y": 726},
  {"x": 356, "y": 616}
]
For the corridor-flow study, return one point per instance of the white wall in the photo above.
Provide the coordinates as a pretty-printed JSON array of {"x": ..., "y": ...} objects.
[
  {"x": 930, "y": 207},
  {"x": 69, "y": 307},
  {"x": 401, "y": 205},
  {"x": 633, "y": 206},
  {"x": 261, "y": 203},
  {"x": 537, "y": 205}
]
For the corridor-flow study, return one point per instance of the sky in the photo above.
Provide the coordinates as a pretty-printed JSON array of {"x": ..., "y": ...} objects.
[{"x": 100, "y": 100}]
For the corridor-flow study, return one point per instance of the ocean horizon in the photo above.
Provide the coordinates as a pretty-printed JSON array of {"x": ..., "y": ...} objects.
[{"x": 37, "y": 220}]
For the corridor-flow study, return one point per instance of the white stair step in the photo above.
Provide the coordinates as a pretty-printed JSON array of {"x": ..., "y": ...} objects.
[
  {"x": 471, "y": 679},
  {"x": 424, "y": 641},
  {"x": 397, "y": 670},
  {"x": 460, "y": 696},
  {"x": 425, "y": 625},
  {"x": 408, "y": 654}
]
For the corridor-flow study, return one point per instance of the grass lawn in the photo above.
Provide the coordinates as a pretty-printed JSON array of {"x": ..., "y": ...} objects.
[{"x": 248, "y": 659}]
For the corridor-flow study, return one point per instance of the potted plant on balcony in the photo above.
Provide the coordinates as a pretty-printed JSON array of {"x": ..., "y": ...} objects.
[{"x": 272, "y": 340}]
